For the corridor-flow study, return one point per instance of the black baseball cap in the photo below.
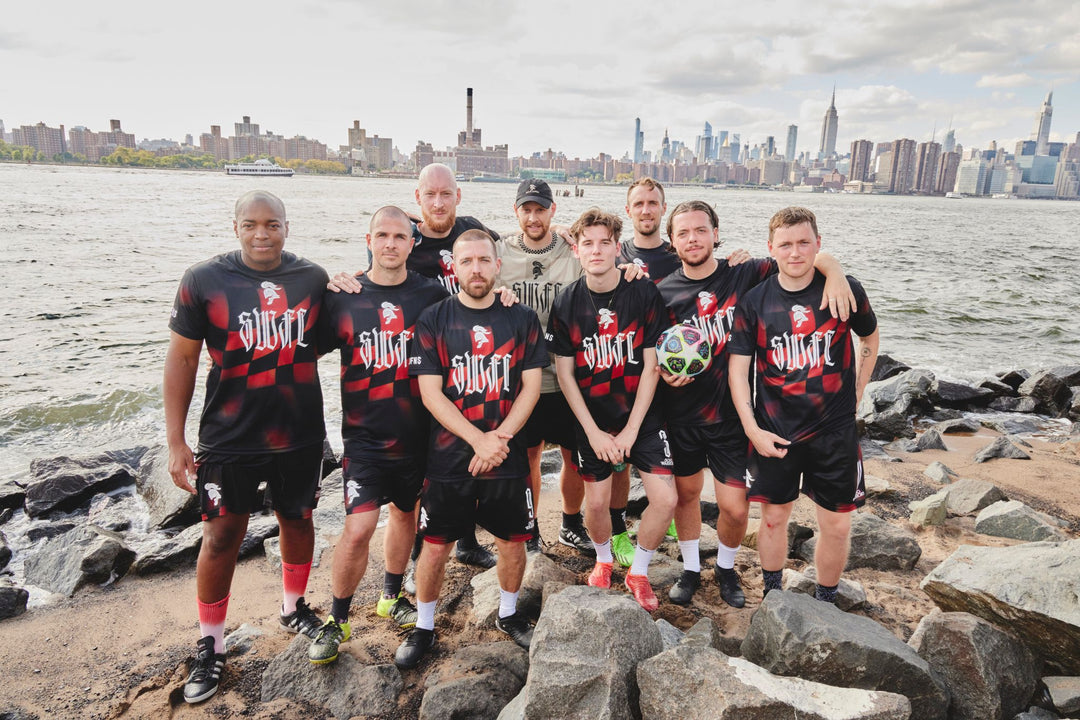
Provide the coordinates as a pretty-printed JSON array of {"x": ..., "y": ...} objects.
[{"x": 536, "y": 191}]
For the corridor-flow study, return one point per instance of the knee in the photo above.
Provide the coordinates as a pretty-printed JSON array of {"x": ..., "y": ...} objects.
[
  {"x": 220, "y": 541},
  {"x": 665, "y": 500},
  {"x": 735, "y": 514}
]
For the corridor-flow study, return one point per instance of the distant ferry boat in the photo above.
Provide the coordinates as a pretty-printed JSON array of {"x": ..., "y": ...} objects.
[
  {"x": 493, "y": 178},
  {"x": 259, "y": 168},
  {"x": 954, "y": 195}
]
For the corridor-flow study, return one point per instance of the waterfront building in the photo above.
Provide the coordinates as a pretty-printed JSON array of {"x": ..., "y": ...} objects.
[
  {"x": 948, "y": 163},
  {"x": 971, "y": 177},
  {"x": 704, "y": 145},
  {"x": 789, "y": 147},
  {"x": 926, "y": 166},
  {"x": 376, "y": 152},
  {"x": 902, "y": 172},
  {"x": 1041, "y": 133},
  {"x": 827, "y": 147},
  {"x": 639, "y": 140},
  {"x": 96, "y": 145},
  {"x": 46, "y": 140},
  {"x": 859, "y": 169},
  {"x": 1067, "y": 179}
]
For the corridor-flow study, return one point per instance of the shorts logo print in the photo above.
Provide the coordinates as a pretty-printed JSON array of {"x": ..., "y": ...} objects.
[{"x": 213, "y": 492}]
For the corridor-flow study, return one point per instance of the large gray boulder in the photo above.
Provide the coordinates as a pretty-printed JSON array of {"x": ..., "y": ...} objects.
[
  {"x": 329, "y": 514},
  {"x": 1013, "y": 519},
  {"x": 539, "y": 569},
  {"x": 887, "y": 367},
  {"x": 795, "y": 635},
  {"x": 875, "y": 544},
  {"x": 1049, "y": 391},
  {"x": 887, "y": 406},
  {"x": 700, "y": 682},
  {"x": 584, "y": 653},
  {"x": 931, "y": 440},
  {"x": 939, "y": 472},
  {"x": 168, "y": 550},
  {"x": 990, "y": 674},
  {"x": 849, "y": 593},
  {"x": 1014, "y": 404},
  {"x": 932, "y": 510},
  {"x": 970, "y": 496},
  {"x": 959, "y": 395},
  {"x": 476, "y": 682},
  {"x": 345, "y": 687},
  {"x": 1030, "y": 589},
  {"x": 959, "y": 425},
  {"x": 12, "y": 599},
  {"x": 83, "y": 556},
  {"x": 12, "y": 495},
  {"x": 1011, "y": 425},
  {"x": 1001, "y": 448},
  {"x": 66, "y": 483},
  {"x": 166, "y": 504}
]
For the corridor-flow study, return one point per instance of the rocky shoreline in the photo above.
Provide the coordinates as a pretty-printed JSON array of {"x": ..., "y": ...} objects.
[{"x": 960, "y": 599}]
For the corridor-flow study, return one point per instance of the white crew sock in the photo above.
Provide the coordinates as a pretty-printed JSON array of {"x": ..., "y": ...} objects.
[
  {"x": 725, "y": 556},
  {"x": 603, "y": 551},
  {"x": 691, "y": 559},
  {"x": 425, "y": 615},
  {"x": 507, "y": 603},
  {"x": 642, "y": 558}
]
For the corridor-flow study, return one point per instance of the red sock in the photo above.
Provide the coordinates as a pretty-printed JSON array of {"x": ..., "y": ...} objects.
[
  {"x": 293, "y": 584},
  {"x": 212, "y": 621}
]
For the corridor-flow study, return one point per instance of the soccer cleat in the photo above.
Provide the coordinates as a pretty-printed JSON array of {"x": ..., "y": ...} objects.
[
  {"x": 730, "y": 588},
  {"x": 324, "y": 648},
  {"x": 639, "y": 587},
  {"x": 205, "y": 674},
  {"x": 532, "y": 545},
  {"x": 518, "y": 627},
  {"x": 408, "y": 583},
  {"x": 577, "y": 537},
  {"x": 410, "y": 652},
  {"x": 479, "y": 556},
  {"x": 600, "y": 577},
  {"x": 399, "y": 608},
  {"x": 671, "y": 531},
  {"x": 302, "y": 620},
  {"x": 682, "y": 592},
  {"x": 622, "y": 547}
]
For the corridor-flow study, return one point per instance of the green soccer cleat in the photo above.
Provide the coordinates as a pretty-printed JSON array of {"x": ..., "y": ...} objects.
[
  {"x": 671, "y": 532},
  {"x": 399, "y": 608},
  {"x": 324, "y": 648},
  {"x": 622, "y": 547}
]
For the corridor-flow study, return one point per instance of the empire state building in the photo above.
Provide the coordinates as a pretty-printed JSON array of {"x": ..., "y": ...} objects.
[{"x": 828, "y": 130}]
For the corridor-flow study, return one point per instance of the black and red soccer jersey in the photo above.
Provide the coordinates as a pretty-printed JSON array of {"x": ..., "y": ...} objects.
[
  {"x": 432, "y": 257},
  {"x": 804, "y": 357},
  {"x": 709, "y": 305},
  {"x": 383, "y": 417},
  {"x": 607, "y": 335},
  {"x": 262, "y": 392},
  {"x": 658, "y": 262},
  {"x": 480, "y": 355}
]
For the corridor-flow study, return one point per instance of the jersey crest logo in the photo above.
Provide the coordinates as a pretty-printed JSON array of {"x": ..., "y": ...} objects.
[
  {"x": 270, "y": 291},
  {"x": 800, "y": 314},
  {"x": 537, "y": 269},
  {"x": 446, "y": 260},
  {"x": 213, "y": 492},
  {"x": 392, "y": 319},
  {"x": 481, "y": 336},
  {"x": 706, "y": 303},
  {"x": 608, "y": 321},
  {"x": 641, "y": 264}
]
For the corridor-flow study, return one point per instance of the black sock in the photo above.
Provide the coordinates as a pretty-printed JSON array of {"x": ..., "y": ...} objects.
[
  {"x": 340, "y": 609},
  {"x": 618, "y": 520},
  {"x": 417, "y": 544},
  {"x": 468, "y": 542},
  {"x": 773, "y": 579},
  {"x": 391, "y": 584},
  {"x": 572, "y": 520},
  {"x": 826, "y": 593}
]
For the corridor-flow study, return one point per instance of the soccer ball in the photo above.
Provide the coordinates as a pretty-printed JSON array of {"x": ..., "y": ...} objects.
[{"x": 683, "y": 350}]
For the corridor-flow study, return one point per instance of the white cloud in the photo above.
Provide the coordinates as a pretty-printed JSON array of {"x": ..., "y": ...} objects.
[{"x": 999, "y": 81}]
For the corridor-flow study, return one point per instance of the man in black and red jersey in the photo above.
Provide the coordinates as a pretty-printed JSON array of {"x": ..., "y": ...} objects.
[
  {"x": 256, "y": 310},
  {"x": 478, "y": 363},
  {"x": 603, "y": 330},
  {"x": 384, "y": 423},
  {"x": 702, "y": 423},
  {"x": 809, "y": 381}
]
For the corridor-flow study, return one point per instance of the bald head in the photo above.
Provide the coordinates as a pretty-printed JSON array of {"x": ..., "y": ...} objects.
[
  {"x": 436, "y": 173},
  {"x": 259, "y": 196}
]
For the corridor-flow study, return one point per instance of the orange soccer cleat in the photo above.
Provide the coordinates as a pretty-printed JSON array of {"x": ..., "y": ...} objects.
[
  {"x": 600, "y": 577},
  {"x": 642, "y": 591}
]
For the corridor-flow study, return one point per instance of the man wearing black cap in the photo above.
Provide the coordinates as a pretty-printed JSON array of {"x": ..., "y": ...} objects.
[{"x": 537, "y": 263}]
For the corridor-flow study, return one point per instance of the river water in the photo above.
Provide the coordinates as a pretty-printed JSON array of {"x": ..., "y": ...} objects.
[{"x": 91, "y": 258}]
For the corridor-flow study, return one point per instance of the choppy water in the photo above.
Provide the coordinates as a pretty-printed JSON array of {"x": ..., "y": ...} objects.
[{"x": 91, "y": 258}]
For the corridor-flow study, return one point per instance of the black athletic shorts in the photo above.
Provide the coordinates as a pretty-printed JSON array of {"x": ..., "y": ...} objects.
[
  {"x": 230, "y": 483},
  {"x": 450, "y": 509},
  {"x": 551, "y": 421},
  {"x": 831, "y": 469},
  {"x": 651, "y": 454},
  {"x": 368, "y": 485},
  {"x": 722, "y": 447}
]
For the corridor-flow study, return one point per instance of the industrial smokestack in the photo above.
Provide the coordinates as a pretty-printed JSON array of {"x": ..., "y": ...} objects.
[{"x": 468, "y": 118}]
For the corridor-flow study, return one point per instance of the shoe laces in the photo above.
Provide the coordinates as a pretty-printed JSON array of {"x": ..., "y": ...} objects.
[{"x": 304, "y": 618}]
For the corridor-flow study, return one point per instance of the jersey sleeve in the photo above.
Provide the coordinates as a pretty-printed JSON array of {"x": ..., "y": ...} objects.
[
  {"x": 424, "y": 349},
  {"x": 558, "y": 331},
  {"x": 189, "y": 316},
  {"x": 536, "y": 352},
  {"x": 327, "y": 337},
  {"x": 743, "y": 331},
  {"x": 863, "y": 322}
]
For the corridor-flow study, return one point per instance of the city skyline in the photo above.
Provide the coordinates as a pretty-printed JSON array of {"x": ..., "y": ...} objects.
[{"x": 900, "y": 70}]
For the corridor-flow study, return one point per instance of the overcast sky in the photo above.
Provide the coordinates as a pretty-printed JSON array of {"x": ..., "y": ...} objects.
[{"x": 569, "y": 75}]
